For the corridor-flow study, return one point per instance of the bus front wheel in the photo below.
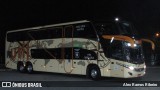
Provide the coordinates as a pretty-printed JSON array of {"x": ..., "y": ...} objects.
[{"x": 94, "y": 73}]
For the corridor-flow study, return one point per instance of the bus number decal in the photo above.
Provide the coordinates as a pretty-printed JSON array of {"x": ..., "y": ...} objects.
[
  {"x": 77, "y": 53},
  {"x": 80, "y": 27}
]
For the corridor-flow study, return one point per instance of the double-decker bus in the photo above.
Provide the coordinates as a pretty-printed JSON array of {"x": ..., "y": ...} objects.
[{"x": 94, "y": 49}]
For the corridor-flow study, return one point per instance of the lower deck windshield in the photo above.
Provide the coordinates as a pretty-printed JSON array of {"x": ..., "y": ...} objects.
[
  {"x": 133, "y": 55},
  {"x": 120, "y": 51}
]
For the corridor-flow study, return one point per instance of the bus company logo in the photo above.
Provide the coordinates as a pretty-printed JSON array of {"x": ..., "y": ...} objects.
[{"x": 6, "y": 84}]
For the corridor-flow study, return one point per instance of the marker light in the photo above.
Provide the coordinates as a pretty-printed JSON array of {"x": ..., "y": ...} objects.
[
  {"x": 135, "y": 45},
  {"x": 157, "y": 34}
]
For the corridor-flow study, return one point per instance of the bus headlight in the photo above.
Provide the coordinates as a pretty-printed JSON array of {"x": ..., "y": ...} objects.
[
  {"x": 135, "y": 45},
  {"x": 129, "y": 44},
  {"x": 131, "y": 67}
]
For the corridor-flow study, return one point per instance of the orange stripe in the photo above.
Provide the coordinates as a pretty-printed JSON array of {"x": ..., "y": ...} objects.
[
  {"x": 152, "y": 43},
  {"x": 120, "y": 37}
]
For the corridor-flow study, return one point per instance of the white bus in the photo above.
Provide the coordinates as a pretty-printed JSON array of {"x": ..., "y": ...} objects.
[{"x": 95, "y": 49}]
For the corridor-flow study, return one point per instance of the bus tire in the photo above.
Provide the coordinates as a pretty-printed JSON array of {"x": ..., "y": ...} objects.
[
  {"x": 94, "y": 73},
  {"x": 29, "y": 68},
  {"x": 21, "y": 67}
]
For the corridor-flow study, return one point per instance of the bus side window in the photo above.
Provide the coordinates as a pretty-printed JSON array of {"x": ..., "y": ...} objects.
[
  {"x": 56, "y": 32},
  {"x": 68, "y": 31},
  {"x": 107, "y": 29},
  {"x": 84, "y": 31},
  {"x": 17, "y": 36},
  {"x": 46, "y": 33},
  {"x": 116, "y": 50}
]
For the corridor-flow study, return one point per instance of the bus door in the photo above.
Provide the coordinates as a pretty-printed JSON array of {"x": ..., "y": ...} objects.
[
  {"x": 117, "y": 64},
  {"x": 67, "y": 49}
]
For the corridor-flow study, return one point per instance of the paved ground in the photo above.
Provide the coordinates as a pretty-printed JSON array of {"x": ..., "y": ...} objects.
[{"x": 152, "y": 74}]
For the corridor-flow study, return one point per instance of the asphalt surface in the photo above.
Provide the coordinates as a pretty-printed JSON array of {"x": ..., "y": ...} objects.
[{"x": 69, "y": 82}]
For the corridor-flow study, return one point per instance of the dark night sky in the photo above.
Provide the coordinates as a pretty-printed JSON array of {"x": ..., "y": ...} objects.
[
  {"x": 22, "y": 14},
  {"x": 145, "y": 14}
]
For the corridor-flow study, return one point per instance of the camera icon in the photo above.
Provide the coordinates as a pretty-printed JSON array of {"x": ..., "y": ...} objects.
[{"x": 6, "y": 84}]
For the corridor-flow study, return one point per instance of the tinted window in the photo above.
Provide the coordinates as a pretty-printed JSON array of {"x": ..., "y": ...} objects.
[
  {"x": 47, "y": 33},
  {"x": 56, "y": 53},
  {"x": 106, "y": 29},
  {"x": 18, "y": 36},
  {"x": 68, "y": 32},
  {"x": 84, "y": 31},
  {"x": 116, "y": 50},
  {"x": 46, "y": 53}
]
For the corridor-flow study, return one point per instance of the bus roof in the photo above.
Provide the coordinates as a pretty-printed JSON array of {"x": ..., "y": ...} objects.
[{"x": 52, "y": 25}]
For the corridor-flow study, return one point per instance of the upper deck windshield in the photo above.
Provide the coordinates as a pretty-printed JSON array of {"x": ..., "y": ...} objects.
[
  {"x": 127, "y": 29},
  {"x": 116, "y": 28}
]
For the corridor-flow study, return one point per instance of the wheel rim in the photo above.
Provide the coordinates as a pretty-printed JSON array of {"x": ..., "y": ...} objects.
[
  {"x": 29, "y": 68},
  {"x": 93, "y": 73},
  {"x": 21, "y": 68}
]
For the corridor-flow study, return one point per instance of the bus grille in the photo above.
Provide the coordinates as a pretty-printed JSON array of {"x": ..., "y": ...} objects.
[{"x": 139, "y": 69}]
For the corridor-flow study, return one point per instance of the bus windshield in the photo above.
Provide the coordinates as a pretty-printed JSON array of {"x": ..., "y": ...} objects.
[
  {"x": 126, "y": 28},
  {"x": 116, "y": 28},
  {"x": 133, "y": 55},
  {"x": 118, "y": 49}
]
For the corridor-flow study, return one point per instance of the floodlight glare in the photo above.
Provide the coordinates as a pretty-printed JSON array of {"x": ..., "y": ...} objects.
[{"x": 116, "y": 19}]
